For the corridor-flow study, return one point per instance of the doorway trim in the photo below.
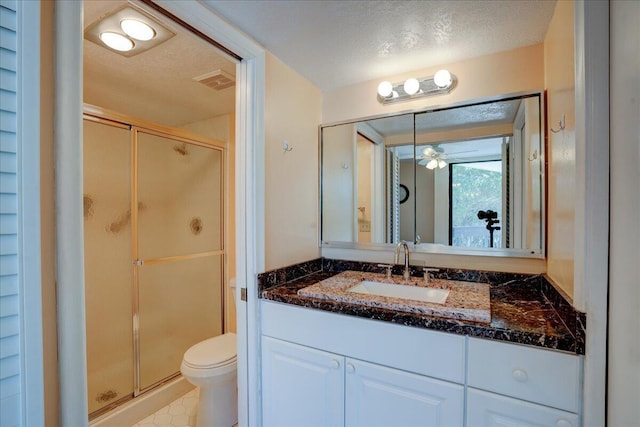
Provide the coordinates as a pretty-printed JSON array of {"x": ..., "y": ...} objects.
[{"x": 249, "y": 201}]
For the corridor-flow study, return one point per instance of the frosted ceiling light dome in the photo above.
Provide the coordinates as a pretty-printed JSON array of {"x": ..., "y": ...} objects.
[
  {"x": 411, "y": 86},
  {"x": 116, "y": 41},
  {"x": 385, "y": 89},
  {"x": 441, "y": 163},
  {"x": 137, "y": 29},
  {"x": 442, "y": 79},
  {"x": 433, "y": 163}
]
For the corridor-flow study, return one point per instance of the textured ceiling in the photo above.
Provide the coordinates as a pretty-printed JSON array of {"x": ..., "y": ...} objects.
[
  {"x": 458, "y": 151},
  {"x": 338, "y": 43},
  {"x": 156, "y": 85},
  {"x": 494, "y": 113}
]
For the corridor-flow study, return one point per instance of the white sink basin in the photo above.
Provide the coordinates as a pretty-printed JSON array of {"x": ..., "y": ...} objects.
[{"x": 415, "y": 293}]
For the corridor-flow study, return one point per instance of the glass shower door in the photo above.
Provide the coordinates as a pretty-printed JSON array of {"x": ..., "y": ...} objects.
[
  {"x": 108, "y": 272},
  {"x": 179, "y": 251}
]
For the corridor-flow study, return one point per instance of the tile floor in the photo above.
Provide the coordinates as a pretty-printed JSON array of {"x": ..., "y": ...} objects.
[{"x": 179, "y": 413}]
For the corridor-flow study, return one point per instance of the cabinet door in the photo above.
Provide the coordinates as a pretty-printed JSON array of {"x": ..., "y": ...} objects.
[
  {"x": 488, "y": 409},
  {"x": 381, "y": 396},
  {"x": 301, "y": 386}
]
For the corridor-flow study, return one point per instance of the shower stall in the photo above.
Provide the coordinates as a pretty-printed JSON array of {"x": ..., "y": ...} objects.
[{"x": 154, "y": 253}]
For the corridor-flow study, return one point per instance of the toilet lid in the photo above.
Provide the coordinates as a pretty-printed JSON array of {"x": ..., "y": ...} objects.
[{"x": 212, "y": 352}]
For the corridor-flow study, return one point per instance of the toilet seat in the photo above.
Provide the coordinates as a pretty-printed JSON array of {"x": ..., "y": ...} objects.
[{"x": 214, "y": 353}]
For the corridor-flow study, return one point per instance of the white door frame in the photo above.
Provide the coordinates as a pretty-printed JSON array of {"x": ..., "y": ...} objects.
[
  {"x": 592, "y": 197},
  {"x": 69, "y": 228}
]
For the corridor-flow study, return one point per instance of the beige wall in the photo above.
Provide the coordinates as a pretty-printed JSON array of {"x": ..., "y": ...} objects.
[
  {"x": 512, "y": 71},
  {"x": 559, "y": 85},
  {"x": 338, "y": 183},
  {"x": 532, "y": 175},
  {"x": 293, "y": 112}
]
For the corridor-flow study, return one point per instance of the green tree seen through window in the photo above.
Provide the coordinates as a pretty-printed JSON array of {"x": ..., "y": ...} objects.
[{"x": 475, "y": 186}]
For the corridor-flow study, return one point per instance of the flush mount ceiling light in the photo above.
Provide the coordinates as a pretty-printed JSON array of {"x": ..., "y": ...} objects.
[
  {"x": 441, "y": 83},
  {"x": 116, "y": 41},
  {"x": 127, "y": 31},
  {"x": 137, "y": 30}
]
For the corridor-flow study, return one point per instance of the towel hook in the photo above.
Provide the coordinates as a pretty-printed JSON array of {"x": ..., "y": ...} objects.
[{"x": 560, "y": 125}]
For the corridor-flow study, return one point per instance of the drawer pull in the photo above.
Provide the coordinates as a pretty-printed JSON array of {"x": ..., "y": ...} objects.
[
  {"x": 335, "y": 364},
  {"x": 350, "y": 368},
  {"x": 563, "y": 423},
  {"x": 520, "y": 375}
]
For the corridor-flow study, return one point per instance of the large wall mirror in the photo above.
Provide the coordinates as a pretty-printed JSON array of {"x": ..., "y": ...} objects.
[{"x": 469, "y": 178}]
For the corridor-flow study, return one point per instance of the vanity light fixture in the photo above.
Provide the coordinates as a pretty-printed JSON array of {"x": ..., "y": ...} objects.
[
  {"x": 127, "y": 31},
  {"x": 441, "y": 83}
]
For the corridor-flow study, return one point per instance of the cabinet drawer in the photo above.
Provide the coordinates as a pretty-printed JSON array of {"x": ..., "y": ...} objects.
[
  {"x": 542, "y": 376},
  {"x": 488, "y": 409}
]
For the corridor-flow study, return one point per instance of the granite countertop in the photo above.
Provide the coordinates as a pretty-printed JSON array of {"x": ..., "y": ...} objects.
[
  {"x": 521, "y": 312},
  {"x": 465, "y": 300}
]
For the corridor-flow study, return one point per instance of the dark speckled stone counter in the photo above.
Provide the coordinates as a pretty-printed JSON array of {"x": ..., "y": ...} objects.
[{"x": 525, "y": 309}]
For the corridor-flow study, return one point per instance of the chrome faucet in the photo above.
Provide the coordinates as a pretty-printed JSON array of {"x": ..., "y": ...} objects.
[{"x": 402, "y": 244}]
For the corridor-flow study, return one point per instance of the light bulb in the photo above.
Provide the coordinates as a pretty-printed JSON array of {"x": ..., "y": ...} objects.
[
  {"x": 442, "y": 164},
  {"x": 137, "y": 29},
  {"x": 116, "y": 41},
  {"x": 433, "y": 163},
  {"x": 385, "y": 89},
  {"x": 411, "y": 86},
  {"x": 442, "y": 79}
]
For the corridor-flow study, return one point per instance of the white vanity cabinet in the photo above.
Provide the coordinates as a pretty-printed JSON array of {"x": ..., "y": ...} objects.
[
  {"x": 328, "y": 369},
  {"x": 490, "y": 409},
  {"x": 381, "y": 396},
  {"x": 303, "y": 386},
  {"x": 321, "y": 368},
  {"x": 513, "y": 385}
]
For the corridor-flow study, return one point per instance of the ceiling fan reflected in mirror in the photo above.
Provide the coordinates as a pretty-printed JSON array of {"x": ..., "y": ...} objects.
[{"x": 434, "y": 156}]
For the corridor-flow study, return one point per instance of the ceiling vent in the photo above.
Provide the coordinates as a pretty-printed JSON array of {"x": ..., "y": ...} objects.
[{"x": 216, "y": 80}]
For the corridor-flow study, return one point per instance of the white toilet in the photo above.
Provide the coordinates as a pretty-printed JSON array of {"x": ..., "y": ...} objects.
[{"x": 211, "y": 365}]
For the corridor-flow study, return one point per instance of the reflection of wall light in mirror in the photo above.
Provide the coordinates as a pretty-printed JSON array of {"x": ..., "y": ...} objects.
[
  {"x": 137, "y": 30},
  {"x": 441, "y": 83},
  {"x": 116, "y": 41}
]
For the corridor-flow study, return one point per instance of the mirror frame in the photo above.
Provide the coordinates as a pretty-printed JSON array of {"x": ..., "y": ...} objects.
[{"x": 433, "y": 248}]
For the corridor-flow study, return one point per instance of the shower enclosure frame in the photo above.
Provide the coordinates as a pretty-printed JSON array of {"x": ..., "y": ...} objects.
[{"x": 136, "y": 126}]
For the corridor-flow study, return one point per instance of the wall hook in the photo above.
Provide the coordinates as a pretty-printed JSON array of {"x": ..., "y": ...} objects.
[
  {"x": 534, "y": 156},
  {"x": 560, "y": 126},
  {"x": 286, "y": 147},
  {"x": 345, "y": 166}
]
